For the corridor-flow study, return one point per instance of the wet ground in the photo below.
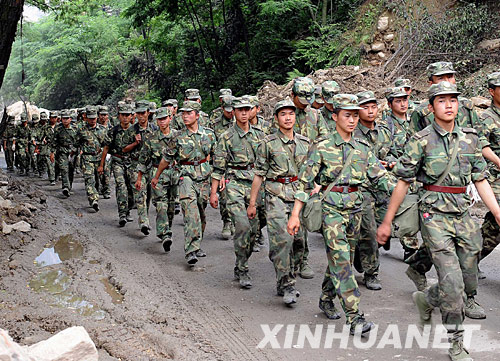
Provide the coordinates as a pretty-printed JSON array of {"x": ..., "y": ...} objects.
[{"x": 77, "y": 267}]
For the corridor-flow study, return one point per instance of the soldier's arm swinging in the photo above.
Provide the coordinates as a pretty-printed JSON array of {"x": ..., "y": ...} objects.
[
  {"x": 254, "y": 192},
  {"x": 293, "y": 225},
  {"x": 384, "y": 230},
  {"x": 488, "y": 197},
  {"x": 214, "y": 202},
  {"x": 161, "y": 167},
  {"x": 491, "y": 156},
  {"x": 100, "y": 169},
  {"x": 138, "y": 181}
]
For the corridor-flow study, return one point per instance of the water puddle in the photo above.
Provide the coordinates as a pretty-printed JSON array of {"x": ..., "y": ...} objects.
[
  {"x": 116, "y": 296},
  {"x": 64, "y": 249}
]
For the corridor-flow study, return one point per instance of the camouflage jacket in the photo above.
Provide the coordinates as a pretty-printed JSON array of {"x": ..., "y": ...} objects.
[
  {"x": 22, "y": 135},
  {"x": 220, "y": 124},
  {"x": 425, "y": 158},
  {"x": 236, "y": 149},
  {"x": 274, "y": 161},
  {"x": 64, "y": 139},
  {"x": 327, "y": 116},
  {"x": 490, "y": 120},
  {"x": 466, "y": 117},
  {"x": 379, "y": 139},
  {"x": 10, "y": 131},
  {"x": 177, "y": 122},
  {"x": 116, "y": 140},
  {"x": 190, "y": 146},
  {"x": 399, "y": 130},
  {"x": 215, "y": 114},
  {"x": 263, "y": 125},
  {"x": 129, "y": 138},
  {"x": 91, "y": 141},
  {"x": 310, "y": 123},
  {"x": 325, "y": 161}
]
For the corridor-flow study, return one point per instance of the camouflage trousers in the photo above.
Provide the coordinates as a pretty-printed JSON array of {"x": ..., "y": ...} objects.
[
  {"x": 490, "y": 229},
  {"x": 32, "y": 158},
  {"x": 142, "y": 197},
  {"x": 90, "y": 175},
  {"x": 285, "y": 251},
  {"x": 124, "y": 193},
  {"x": 454, "y": 243},
  {"x": 224, "y": 214},
  {"x": 193, "y": 196},
  {"x": 22, "y": 157},
  {"x": 105, "y": 179},
  {"x": 245, "y": 229},
  {"x": 164, "y": 197},
  {"x": 340, "y": 232},
  {"x": 9, "y": 154},
  {"x": 368, "y": 246},
  {"x": 66, "y": 168},
  {"x": 50, "y": 168}
]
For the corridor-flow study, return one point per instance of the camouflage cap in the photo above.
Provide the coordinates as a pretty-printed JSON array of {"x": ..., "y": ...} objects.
[
  {"x": 192, "y": 94},
  {"x": 318, "y": 92},
  {"x": 66, "y": 113},
  {"x": 254, "y": 100},
  {"x": 141, "y": 106},
  {"x": 242, "y": 102},
  {"x": 440, "y": 68},
  {"x": 227, "y": 102},
  {"x": 225, "y": 91},
  {"x": 366, "y": 97},
  {"x": 152, "y": 107},
  {"x": 125, "y": 108},
  {"x": 329, "y": 89},
  {"x": 91, "y": 112},
  {"x": 163, "y": 112},
  {"x": 494, "y": 79},
  {"x": 285, "y": 103},
  {"x": 442, "y": 88},
  {"x": 24, "y": 116},
  {"x": 80, "y": 111},
  {"x": 43, "y": 116},
  {"x": 404, "y": 83},
  {"x": 396, "y": 92},
  {"x": 303, "y": 88},
  {"x": 54, "y": 113},
  {"x": 102, "y": 109},
  {"x": 121, "y": 102},
  {"x": 346, "y": 101},
  {"x": 11, "y": 118},
  {"x": 190, "y": 105},
  {"x": 35, "y": 118}
]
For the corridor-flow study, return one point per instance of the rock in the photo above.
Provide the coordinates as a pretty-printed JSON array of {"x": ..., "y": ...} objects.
[
  {"x": 383, "y": 23},
  {"x": 31, "y": 207},
  {"x": 492, "y": 44},
  {"x": 389, "y": 37},
  {"x": 23, "y": 211},
  {"x": 6, "y": 204},
  {"x": 20, "y": 226},
  {"x": 4, "y": 183},
  {"x": 374, "y": 62},
  {"x": 481, "y": 102},
  {"x": 378, "y": 46},
  {"x": 72, "y": 344},
  {"x": 14, "y": 264},
  {"x": 11, "y": 351},
  {"x": 381, "y": 55}
]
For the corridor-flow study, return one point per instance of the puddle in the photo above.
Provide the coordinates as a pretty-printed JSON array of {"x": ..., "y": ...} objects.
[
  {"x": 116, "y": 296},
  {"x": 53, "y": 282},
  {"x": 65, "y": 248}
]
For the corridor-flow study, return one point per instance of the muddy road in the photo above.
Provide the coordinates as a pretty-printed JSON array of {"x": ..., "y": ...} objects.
[{"x": 77, "y": 267}]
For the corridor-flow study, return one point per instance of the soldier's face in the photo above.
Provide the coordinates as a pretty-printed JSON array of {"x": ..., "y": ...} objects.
[
  {"x": 285, "y": 118},
  {"x": 435, "y": 79},
  {"x": 495, "y": 94},
  {"x": 227, "y": 114},
  {"x": 369, "y": 112},
  {"x": 445, "y": 107},
  {"x": 399, "y": 106},
  {"x": 346, "y": 120},
  {"x": 142, "y": 117},
  {"x": 189, "y": 118},
  {"x": 164, "y": 122},
  {"x": 66, "y": 121},
  {"x": 92, "y": 121},
  {"x": 242, "y": 115},
  {"x": 316, "y": 105},
  {"x": 53, "y": 120},
  {"x": 253, "y": 112},
  {"x": 125, "y": 118},
  {"x": 103, "y": 118}
]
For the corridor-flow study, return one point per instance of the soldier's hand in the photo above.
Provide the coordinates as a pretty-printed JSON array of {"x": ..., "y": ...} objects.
[
  {"x": 383, "y": 233},
  {"x": 214, "y": 200},
  {"x": 316, "y": 189},
  {"x": 138, "y": 138},
  {"x": 13, "y": 147},
  {"x": 293, "y": 225},
  {"x": 100, "y": 169},
  {"x": 251, "y": 212},
  {"x": 154, "y": 182},
  {"x": 138, "y": 185},
  {"x": 222, "y": 184},
  {"x": 52, "y": 158}
]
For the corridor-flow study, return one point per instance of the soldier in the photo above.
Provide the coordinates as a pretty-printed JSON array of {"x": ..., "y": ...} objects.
[
  {"x": 342, "y": 164},
  {"x": 63, "y": 150},
  {"x": 105, "y": 177},
  {"x": 191, "y": 149},
  {"x": 256, "y": 120},
  {"x": 165, "y": 193},
  {"x": 373, "y": 208},
  {"x": 176, "y": 124},
  {"x": 41, "y": 149},
  {"x": 194, "y": 95},
  {"x": 52, "y": 168},
  {"x": 34, "y": 129},
  {"x": 114, "y": 143},
  {"x": 219, "y": 125},
  {"x": 318, "y": 98},
  {"x": 397, "y": 118},
  {"x": 406, "y": 85},
  {"x": 490, "y": 120},
  {"x": 8, "y": 142},
  {"x": 134, "y": 138},
  {"x": 152, "y": 115},
  {"x": 20, "y": 145},
  {"x": 216, "y": 113},
  {"x": 447, "y": 228},
  {"x": 234, "y": 159},
  {"x": 279, "y": 157},
  {"x": 329, "y": 89}
]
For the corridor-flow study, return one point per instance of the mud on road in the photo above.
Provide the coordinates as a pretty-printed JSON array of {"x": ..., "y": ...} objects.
[{"x": 76, "y": 267}]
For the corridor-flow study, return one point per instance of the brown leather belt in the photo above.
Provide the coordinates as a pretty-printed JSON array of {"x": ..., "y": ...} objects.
[
  {"x": 167, "y": 167},
  {"x": 284, "y": 180},
  {"x": 343, "y": 189},
  {"x": 118, "y": 156},
  {"x": 247, "y": 167},
  {"x": 443, "y": 189},
  {"x": 196, "y": 162}
]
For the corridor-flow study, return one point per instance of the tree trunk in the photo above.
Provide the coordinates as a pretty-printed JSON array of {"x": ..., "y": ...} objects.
[
  {"x": 10, "y": 14},
  {"x": 324, "y": 12}
]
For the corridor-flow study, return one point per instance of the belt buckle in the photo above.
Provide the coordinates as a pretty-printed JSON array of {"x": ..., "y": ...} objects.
[
  {"x": 288, "y": 180},
  {"x": 196, "y": 162},
  {"x": 249, "y": 167},
  {"x": 345, "y": 189}
]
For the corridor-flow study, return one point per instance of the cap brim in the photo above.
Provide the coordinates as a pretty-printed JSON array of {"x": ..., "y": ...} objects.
[
  {"x": 92, "y": 116},
  {"x": 319, "y": 100},
  {"x": 305, "y": 100},
  {"x": 398, "y": 95},
  {"x": 444, "y": 72},
  {"x": 194, "y": 98},
  {"x": 350, "y": 107},
  {"x": 244, "y": 105},
  {"x": 228, "y": 109},
  {"x": 125, "y": 112},
  {"x": 369, "y": 100},
  {"x": 328, "y": 100},
  {"x": 186, "y": 109},
  {"x": 448, "y": 92},
  {"x": 285, "y": 107},
  {"x": 141, "y": 110},
  {"x": 104, "y": 113}
]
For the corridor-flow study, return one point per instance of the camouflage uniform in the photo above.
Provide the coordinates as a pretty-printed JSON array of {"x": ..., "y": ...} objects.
[
  {"x": 191, "y": 151},
  {"x": 105, "y": 177},
  {"x": 217, "y": 112},
  {"x": 22, "y": 138},
  {"x": 341, "y": 210},
  {"x": 35, "y": 134},
  {"x": 280, "y": 172},
  {"x": 8, "y": 138},
  {"x": 329, "y": 89},
  {"x": 48, "y": 134},
  {"x": 405, "y": 83},
  {"x": 63, "y": 145},
  {"x": 194, "y": 95},
  {"x": 447, "y": 229}
]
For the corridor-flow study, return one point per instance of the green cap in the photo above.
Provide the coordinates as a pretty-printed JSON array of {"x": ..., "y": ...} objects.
[
  {"x": 43, "y": 116},
  {"x": 80, "y": 111},
  {"x": 102, "y": 109},
  {"x": 329, "y": 89},
  {"x": 285, "y": 103},
  {"x": 225, "y": 91},
  {"x": 125, "y": 108},
  {"x": 66, "y": 113},
  {"x": 152, "y": 107},
  {"x": 254, "y": 100},
  {"x": 346, "y": 101},
  {"x": 494, "y": 79},
  {"x": 24, "y": 117},
  {"x": 171, "y": 102},
  {"x": 54, "y": 113},
  {"x": 190, "y": 105},
  {"x": 303, "y": 88},
  {"x": 440, "y": 68},
  {"x": 403, "y": 83},
  {"x": 91, "y": 112},
  {"x": 163, "y": 112},
  {"x": 242, "y": 102},
  {"x": 141, "y": 106},
  {"x": 366, "y": 97},
  {"x": 396, "y": 92},
  {"x": 227, "y": 102},
  {"x": 192, "y": 94},
  {"x": 317, "y": 94},
  {"x": 441, "y": 88},
  {"x": 35, "y": 118}
]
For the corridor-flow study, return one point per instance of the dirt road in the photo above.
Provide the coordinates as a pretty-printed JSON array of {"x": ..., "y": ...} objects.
[{"x": 138, "y": 303}]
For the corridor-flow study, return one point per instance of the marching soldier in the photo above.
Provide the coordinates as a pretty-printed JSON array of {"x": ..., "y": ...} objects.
[{"x": 329, "y": 89}]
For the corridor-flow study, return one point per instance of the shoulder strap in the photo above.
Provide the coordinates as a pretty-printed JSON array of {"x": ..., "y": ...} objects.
[{"x": 346, "y": 164}]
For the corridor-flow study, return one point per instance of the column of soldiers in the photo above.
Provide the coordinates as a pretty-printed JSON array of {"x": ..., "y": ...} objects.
[{"x": 261, "y": 173}]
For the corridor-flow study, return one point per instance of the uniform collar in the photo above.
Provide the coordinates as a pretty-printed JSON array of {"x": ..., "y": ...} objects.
[
  {"x": 241, "y": 132},
  {"x": 339, "y": 140},
  {"x": 443, "y": 132},
  {"x": 284, "y": 138},
  {"x": 365, "y": 130}
]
